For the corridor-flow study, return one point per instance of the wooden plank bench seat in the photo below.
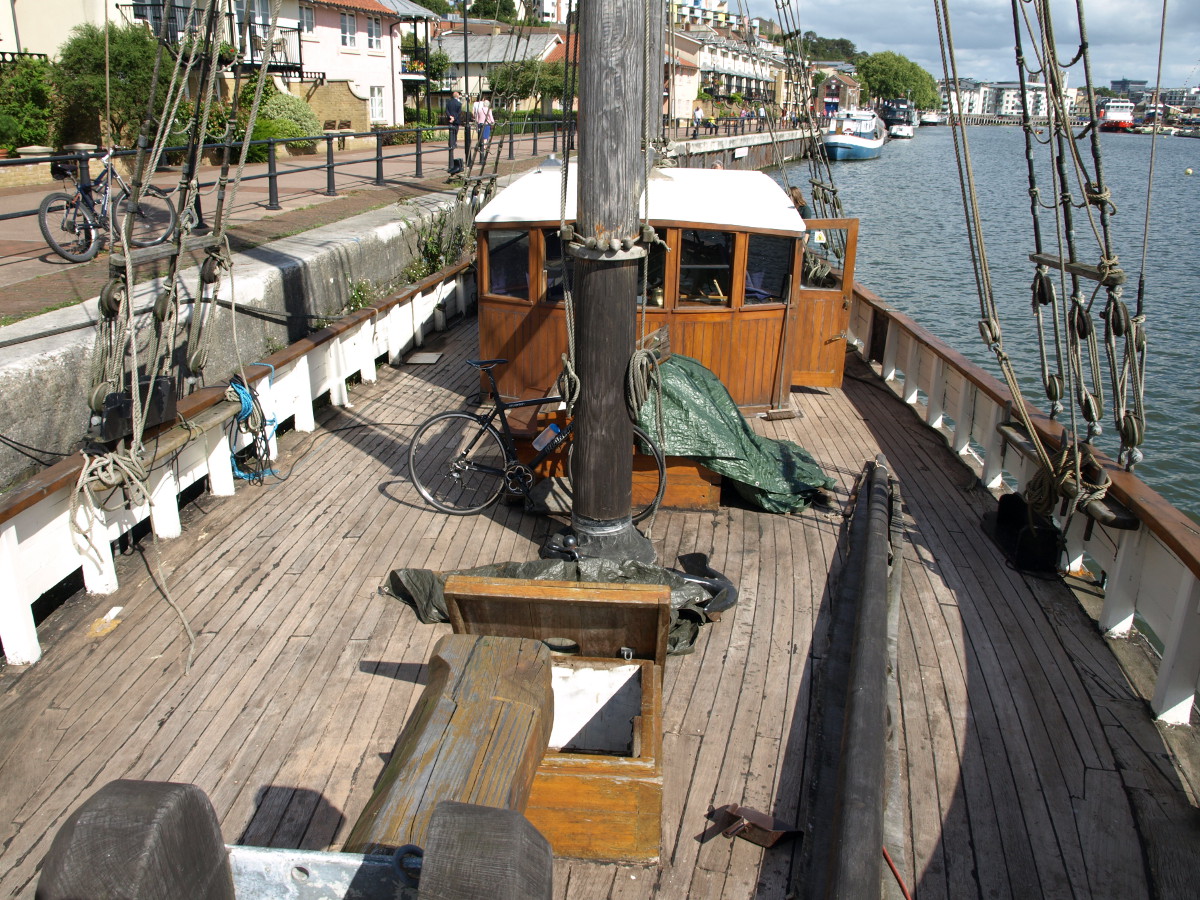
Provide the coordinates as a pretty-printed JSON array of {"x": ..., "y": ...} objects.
[{"x": 476, "y": 736}]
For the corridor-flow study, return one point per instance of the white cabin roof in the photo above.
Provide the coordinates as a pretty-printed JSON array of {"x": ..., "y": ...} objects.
[{"x": 722, "y": 198}]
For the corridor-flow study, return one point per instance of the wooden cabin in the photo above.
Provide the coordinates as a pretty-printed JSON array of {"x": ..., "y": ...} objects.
[{"x": 743, "y": 284}]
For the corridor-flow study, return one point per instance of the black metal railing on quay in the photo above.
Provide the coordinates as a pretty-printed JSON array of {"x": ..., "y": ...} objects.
[
  {"x": 417, "y": 146},
  {"x": 420, "y": 147}
]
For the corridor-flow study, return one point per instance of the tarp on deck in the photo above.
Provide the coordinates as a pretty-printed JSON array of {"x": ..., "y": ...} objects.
[
  {"x": 691, "y": 604},
  {"x": 702, "y": 422}
]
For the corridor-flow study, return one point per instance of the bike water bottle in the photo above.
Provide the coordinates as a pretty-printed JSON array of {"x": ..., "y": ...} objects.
[{"x": 548, "y": 434}]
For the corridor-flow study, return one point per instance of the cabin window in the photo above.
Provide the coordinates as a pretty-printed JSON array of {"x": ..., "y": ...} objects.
[
  {"x": 508, "y": 263},
  {"x": 656, "y": 280},
  {"x": 768, "y": 269},
  {"x": 558, "y": 266},
  {"x": 705, "y": 267}
]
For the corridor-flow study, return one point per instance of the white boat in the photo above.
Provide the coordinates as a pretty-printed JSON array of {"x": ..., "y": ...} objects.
[
  {"x": 932, "y": 117},
  {"x": 902, "y": 130},
  {"x": 854, "y": 134}
]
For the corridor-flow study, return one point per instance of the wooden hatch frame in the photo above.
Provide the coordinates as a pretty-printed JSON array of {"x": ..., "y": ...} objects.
[{"x": 589, "y": 806}]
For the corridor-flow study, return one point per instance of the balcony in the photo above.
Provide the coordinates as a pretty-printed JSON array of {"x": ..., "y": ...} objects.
[{"x": 284, "y": 55}]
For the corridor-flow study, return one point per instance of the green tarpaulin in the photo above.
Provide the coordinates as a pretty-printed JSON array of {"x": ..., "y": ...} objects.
[{"x": 702, "y": 422}]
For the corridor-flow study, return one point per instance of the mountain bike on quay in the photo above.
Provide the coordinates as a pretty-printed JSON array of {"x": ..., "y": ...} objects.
[
  {"x": 461, "y": 463},
  {"x": 74, "y": 223}
]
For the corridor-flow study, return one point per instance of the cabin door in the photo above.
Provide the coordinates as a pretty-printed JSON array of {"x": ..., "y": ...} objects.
[{"x": 821, "y": 306}]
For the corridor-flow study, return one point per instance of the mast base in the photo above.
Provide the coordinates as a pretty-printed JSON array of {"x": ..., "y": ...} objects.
[{"x": 619, "y": 540}]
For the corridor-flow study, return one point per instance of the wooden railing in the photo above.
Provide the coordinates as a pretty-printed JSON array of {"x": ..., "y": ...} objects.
[
  {"x": 1146, "y": 551},
  {"x": 39, "y": 548}
]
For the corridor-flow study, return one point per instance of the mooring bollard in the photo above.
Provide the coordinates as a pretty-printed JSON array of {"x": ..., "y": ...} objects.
[
  {"x": 330, "y": 185},
  {"x": 272, "y": 177},
  {"x": 420, "y": 132},
  {"x": 379, "y": 158}
]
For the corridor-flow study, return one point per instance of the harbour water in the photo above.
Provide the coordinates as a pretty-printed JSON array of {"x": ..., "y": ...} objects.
[{"x": 913, "y": 251}]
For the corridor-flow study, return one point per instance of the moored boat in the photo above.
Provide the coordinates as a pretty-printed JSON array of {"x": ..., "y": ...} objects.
[
  {"x": 932, "y": 117},
  {"x": 854, "y": 134},
  {"x": 900, "y": 117},
  {"x": 1116, "y": 114}
]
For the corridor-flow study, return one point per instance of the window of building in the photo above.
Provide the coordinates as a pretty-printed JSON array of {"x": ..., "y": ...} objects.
[
  {"x": 374, "y": 33},
  {"x": 377, "y": 103},
  {"x": 307, "y": 20},
  {"x": 349, "y": 30}
]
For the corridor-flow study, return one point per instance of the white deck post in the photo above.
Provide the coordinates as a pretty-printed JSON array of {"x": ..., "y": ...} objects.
[
  {"x": 220, "y": 465},
  {"x": 1074, "y": 544},
  {"x": 1120, "y": 601},
  {"x": 1175, "y": 687},
  {"x": 164, "y": 503},
  {"x": 364, "y": 339},
  {"x": 935, "y": 412},
  {"x": 964, "y": 418},
  {"x": 17, "y": 629},
  {"x": 993, "y": 444},
  {"x": 337, "y": 368},
  {"x": 296, "y": 383},
  {"x": 912, "y": 371},
  {"x": 95, "y": 554},
  {"x": 890, "y": 350},
  {"x": 268, "y": 399}
]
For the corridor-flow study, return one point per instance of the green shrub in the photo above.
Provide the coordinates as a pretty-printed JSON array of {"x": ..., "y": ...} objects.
[
  {"x": 25, "y": 102},
  {"x": 265, "y": 129},
  {"x": 283, "y": 107}
]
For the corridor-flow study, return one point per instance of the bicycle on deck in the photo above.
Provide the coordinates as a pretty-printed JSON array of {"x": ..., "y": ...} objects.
[
  {"x": 461, "y": 463},
  {"x": 74, "y": 224}
]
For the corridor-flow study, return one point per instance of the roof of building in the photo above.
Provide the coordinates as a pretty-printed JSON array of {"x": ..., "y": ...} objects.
[
  {"x": 371, "y": 6},
  {"x": 490, "y": 49},
  {"x": 406, "y": 9}
]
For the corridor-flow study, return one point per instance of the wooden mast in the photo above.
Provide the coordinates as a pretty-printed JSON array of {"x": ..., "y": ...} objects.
[{"x": 611, "y": 180}]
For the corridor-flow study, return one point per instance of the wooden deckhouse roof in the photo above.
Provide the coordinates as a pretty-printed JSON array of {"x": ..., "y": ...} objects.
[{"x": 721, "y": 198}]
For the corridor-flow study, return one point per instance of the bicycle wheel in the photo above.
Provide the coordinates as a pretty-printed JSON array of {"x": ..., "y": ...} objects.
[
  {"x": 660, "y": 469},
  {"x": 457, "y": 463},
  {"x": 154, "y": 217},
  {"x": 68, "y": 227},
  {"x": 638, "y": 513}
]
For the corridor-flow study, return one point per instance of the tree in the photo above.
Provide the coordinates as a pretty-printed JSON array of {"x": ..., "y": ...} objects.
[
  {"x": 515, "y": 80},
  {"x": 79, "y": 84},
  {"x": 439, "y": 65},
  {"x": 888, "y": 75},
  {"x": 441, "y": 7},
  {"x": 501, "y": 10}
]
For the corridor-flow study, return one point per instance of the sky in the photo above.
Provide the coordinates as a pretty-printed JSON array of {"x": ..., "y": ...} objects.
[{"x": 1123, "y": 35}]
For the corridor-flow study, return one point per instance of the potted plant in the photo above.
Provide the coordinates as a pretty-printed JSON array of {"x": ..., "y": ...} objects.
[{"x": 226, "y": 53}]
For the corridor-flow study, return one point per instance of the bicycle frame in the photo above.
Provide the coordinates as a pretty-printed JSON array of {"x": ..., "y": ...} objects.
[{"x": 510, "y": 445}]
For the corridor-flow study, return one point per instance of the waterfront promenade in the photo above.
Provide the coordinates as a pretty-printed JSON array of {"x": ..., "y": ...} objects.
[{"x": 33, "y": 278}]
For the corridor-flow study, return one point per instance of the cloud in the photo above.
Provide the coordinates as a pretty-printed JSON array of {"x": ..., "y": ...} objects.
[{"x": 1123, "y": 35}]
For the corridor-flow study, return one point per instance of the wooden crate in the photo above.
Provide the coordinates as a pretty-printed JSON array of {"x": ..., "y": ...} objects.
[
  {"x": 689, "y": 484},
  {"x": 604, "y": 804}
]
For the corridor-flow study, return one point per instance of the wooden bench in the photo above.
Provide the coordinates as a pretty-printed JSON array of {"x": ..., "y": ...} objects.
[
  {"x": 598, "y": 791},
  {"x": 476, "y": 736}
]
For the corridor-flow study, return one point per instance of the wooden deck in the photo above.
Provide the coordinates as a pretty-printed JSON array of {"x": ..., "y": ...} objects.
[{"x": 1029, "y": 766}]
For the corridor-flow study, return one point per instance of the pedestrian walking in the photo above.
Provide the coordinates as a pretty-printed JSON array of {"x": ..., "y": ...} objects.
[
  {"x": 454, "y": 112},
  {"x": 697, "y": 118},
  {"x": 484, "y": 119}
]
